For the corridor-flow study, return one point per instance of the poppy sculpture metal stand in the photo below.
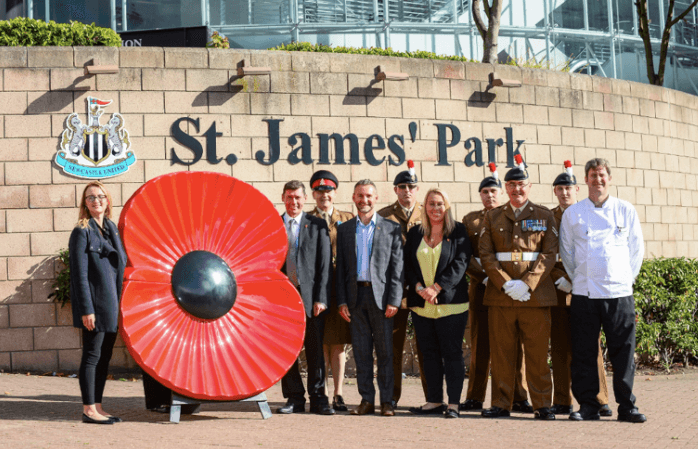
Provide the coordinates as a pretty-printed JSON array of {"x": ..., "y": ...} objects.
[{"x": 205, "y": 310}]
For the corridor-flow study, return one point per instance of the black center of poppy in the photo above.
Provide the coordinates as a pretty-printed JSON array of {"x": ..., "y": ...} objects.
[{"x": 204, "y": 285}]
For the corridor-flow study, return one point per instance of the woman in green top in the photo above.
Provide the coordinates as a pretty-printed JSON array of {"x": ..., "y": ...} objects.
[{"x": 436, "y": 257}]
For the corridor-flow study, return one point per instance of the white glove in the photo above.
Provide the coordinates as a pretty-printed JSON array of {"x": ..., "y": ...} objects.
[
  {"x": 516, "y": 289},
  {"x": 525, "y": 297},
  {"x": 484, "y": 281},
  {"x": 564, "y": 285}
]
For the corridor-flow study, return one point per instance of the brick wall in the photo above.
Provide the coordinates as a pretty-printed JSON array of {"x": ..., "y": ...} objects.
[{"x": 648, "y": 133}]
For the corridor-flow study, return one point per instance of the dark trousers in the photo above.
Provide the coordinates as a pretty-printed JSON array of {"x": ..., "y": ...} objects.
[
  {"x": 561, "y": 359},
  {"x": 617, "y": 317},
  {"x": 292, "y": 384},
  {"x": 441, "y": 343},
  {"x": 96, "y": 353},
  {"x": 370, "y": 328},
  {"x": 156, "y": 394},
  {"x": 399, "y": 334}
]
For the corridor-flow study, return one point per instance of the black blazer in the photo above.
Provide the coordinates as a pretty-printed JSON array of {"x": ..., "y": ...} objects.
[
  {"x": 314, "y": 264},
  {"x": 96, "y": 275},
  {"x": 450, "y": 272},
  {"x": 387, "y": 273}
]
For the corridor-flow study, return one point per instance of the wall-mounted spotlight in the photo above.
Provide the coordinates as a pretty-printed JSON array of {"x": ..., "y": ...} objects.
[
  {"x": 496, "y": 81},
  {"x": 390, "y": 76},
  {"x": 101, "y": 69}
]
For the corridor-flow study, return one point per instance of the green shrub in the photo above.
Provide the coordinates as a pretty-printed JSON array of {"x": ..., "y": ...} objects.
[
  {"x": 218, "y": 41},
  {"x": 61, "y": 285},
  {"x": 666, "y": 304},
  {"x": 320, "y": 48},
  {"x": 22, "y": 31}
]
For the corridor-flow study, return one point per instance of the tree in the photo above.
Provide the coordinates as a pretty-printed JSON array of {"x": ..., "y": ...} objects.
[
  {"x": 489, "y": 33},
  {"x": 657, "y": 78}
]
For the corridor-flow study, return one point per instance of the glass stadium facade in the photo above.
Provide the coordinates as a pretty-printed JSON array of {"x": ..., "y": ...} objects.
[{"x": 592, "y": 36}]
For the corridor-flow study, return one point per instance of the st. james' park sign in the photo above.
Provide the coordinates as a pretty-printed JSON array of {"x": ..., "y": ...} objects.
[
  {"x": 302, "y": 148},
  {"x": 97, "y": 151}
]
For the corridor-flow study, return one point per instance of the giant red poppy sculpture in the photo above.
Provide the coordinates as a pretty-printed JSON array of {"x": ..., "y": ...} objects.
[{"x": 205, "y": 310}]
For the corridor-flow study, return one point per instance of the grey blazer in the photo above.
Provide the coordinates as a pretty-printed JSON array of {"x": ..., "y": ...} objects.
[
  {"x": 314, "y": 263},
  {"x": 387, "y": 272}
]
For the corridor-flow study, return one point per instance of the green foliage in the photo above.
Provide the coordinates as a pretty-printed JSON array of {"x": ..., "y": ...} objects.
[
  {"x": 533, "y": 64},
  {"x": 218, "y": 41},
  {"x": 61, "y": 285},
  {"x": 320, "y": 48},
  {"x": 666, "y": 304},
  {"x": 23, "y": 31}
]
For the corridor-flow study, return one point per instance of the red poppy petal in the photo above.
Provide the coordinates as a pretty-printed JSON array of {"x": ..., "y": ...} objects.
[
  {"x": 181, "y": 212},
  {"x": 234, "y": 357},
  {"x": 148, "y": 274}
]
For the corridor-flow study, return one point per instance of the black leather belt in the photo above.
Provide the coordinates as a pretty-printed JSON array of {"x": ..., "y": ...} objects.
[{"x": 363, "y": 284}]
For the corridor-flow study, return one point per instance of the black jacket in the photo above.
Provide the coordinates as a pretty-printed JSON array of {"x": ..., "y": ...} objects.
[
  {"x": 450, "y": 272},
  {"x": 314, "y": 263},
  {"x": 96, "y": 275}
]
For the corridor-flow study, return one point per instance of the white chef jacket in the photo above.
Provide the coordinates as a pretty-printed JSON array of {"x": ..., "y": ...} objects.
[{"x": 601, "y": 248}]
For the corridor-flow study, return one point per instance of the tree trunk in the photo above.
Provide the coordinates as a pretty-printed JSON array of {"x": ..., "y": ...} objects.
[
  {"x": 490, "y": 45},
  {"x": 657, "y": 78}
]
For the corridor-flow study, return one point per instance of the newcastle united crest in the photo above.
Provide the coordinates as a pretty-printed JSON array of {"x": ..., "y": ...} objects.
[{"x": 95, "y": 150}]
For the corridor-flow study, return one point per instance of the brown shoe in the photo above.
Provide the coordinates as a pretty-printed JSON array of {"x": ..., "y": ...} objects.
[
  {"x": 365, "y": 408},
  {"x": 387, "y": 409}
]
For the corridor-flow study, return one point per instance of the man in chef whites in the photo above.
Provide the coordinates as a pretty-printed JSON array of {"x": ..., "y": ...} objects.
[{"x": 601, "y": 247}]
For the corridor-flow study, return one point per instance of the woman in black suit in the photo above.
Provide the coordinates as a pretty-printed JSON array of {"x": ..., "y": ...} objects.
[
  {"x": 436, "y": 257},
  {"x": 97, "y": 262}
]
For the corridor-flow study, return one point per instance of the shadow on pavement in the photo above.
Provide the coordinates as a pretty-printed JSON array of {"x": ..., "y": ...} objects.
[{"x": 69, "y": 408}]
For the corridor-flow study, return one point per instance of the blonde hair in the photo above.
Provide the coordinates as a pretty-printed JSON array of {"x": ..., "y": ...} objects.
[
  {"x": 449, "y": 222},
  {"x": 84, "y": 215}
]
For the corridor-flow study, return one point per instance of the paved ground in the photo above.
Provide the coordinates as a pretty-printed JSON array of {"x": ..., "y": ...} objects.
[{"x": 40, "y": 411}]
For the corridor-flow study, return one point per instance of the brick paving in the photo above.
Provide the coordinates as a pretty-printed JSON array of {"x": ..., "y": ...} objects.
[{"x": 38, "y": 411}]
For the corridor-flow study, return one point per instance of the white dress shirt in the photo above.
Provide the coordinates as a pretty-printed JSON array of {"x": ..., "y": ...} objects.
[
  {"x": 364, "y": 245},
  {"x": 601, "y": 248}
]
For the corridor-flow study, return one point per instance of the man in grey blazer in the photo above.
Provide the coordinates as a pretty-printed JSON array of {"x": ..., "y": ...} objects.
[
  {"x": 309, "y": 267},
  {"x": 369, "y": 291}
]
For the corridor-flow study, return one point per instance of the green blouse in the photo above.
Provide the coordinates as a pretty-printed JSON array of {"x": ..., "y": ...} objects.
[{"x": 428, "y": 259}]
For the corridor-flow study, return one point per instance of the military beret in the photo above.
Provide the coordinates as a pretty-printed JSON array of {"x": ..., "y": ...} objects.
[
  {"x": 406, "y": 177},
  {"x": 323, "y": 180},
  {"x": 491, "y": 181},
  {"x": 519, "y": 172},
  {"x": 566, "y": 178}
]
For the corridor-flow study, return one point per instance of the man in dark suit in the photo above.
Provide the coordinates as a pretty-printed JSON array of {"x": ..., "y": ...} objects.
[
  {"x": 369, "y": 292},
  {"x": 308, "y": 266}
]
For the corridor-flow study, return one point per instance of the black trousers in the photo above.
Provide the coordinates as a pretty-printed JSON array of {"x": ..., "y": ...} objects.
[
  {"x": 97, "y": 348},
  {"x": 370, "y": 328},
  {"x": 292, "y": 384},
  {"x": 441, "y": 344},
  {"x": 617, "y": 317}
]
